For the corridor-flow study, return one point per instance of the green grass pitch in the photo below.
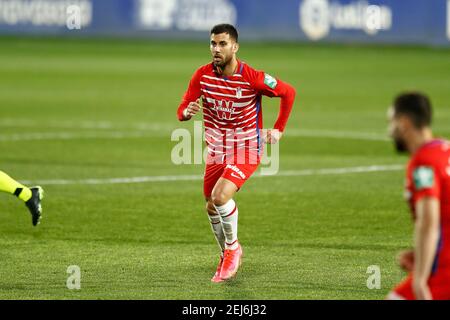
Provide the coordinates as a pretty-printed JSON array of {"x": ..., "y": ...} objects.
[{"x": 98, "y": 109}]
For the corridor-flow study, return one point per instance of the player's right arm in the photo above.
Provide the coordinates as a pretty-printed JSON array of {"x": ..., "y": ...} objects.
[{"x": 190, "y": 103}]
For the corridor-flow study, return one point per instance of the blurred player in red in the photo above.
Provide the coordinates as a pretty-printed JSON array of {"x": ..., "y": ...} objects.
[
  {"x": 230, "y": 92},
  {"x": 428, "y": 194}
]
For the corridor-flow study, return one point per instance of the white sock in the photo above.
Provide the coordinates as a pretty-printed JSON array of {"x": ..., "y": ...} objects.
[
  {"x": 229, "y": 217},
  {"x": 216, "y": 226}
]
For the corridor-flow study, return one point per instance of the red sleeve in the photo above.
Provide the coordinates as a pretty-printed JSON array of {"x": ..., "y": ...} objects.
[
  {"x": 425, "y": 177},
  {"x": 269, "y": 86},
  {"x": 192, "y": 94}
]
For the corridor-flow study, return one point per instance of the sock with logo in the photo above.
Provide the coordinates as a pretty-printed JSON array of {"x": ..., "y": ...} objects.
[
  {"x": 229, "y": 218},
  {"x": 216, "y": 226}
]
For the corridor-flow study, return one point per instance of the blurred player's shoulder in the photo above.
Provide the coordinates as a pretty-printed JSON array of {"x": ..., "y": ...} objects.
[
  {"x": 433, "y": 148},
  {"x": 435, "y": 152}
]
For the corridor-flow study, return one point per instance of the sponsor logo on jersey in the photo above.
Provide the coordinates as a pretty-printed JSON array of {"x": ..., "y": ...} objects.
[
  {"x": 223, "y": 108},
  {"x": 270, "y": 81},
  {"x": 236, "y": 170},
  {"x": 423, "y": 177},
  {"x": 236, "y": 175}
]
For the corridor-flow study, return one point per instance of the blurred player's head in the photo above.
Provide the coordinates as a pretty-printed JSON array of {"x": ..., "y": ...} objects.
[
  {"x": 409, "y": 116},
  {"x": 224, "y": 44}
]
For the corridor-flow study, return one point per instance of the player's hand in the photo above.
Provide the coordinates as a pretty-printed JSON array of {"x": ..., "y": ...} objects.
[
  {"x": 406, "y": 260},
  {"x": 272, "y": 136},
  {"x": 192, "y": 109}
]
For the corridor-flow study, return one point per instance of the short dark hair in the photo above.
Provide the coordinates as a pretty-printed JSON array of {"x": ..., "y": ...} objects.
[
  {"x": 416, "y": 106},
  {"x": 225, "y": 28}
]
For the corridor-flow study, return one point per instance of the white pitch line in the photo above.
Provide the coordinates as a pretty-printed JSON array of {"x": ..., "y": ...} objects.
[
  {"x": 71, "y": 136},
  {"x": 39, "y": 136},
  {"x": 144, "y": 179},
  {"x": 161, "y": 129},
  {"x": 337, "y": 134},
  {"x": 348, "y": 170},
  {"x": 83, "y": 125},
  {"x": 116, "y": 180}
]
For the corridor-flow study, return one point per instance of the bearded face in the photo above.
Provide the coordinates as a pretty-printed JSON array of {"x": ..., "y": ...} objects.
[
  {"x": 223, "y": 49},
  {"x": 400, "y": 145},
  {"x": 395, "y": 132}
]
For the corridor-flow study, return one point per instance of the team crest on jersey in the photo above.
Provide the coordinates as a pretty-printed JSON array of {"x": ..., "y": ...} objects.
[
  {"x": 423, "y": 177},
  {"x": 224, "y": 109},
  {"x": 270, "y": 81},
  {"x": 238, "y": 92}
]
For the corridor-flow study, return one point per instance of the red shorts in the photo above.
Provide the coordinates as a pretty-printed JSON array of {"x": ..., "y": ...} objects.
[
  {"x": 439, "y": 284},
  {"x": 236, "y": 173}
]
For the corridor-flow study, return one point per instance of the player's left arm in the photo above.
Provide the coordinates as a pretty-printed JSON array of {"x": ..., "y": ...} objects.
[
  {"x": 274, "y": 87},
  {"x": 287, "y": 94},
  {"x": 427, "y": 192},
  {"x": 426, "y": 240}
]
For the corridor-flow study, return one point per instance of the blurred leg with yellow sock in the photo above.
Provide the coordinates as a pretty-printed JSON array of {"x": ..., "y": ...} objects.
[{"x": 31, "y": 196}]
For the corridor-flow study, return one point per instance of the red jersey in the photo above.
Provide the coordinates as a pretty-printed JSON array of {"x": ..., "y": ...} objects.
[
  {"x": 232, "y": 111},
  {"x": 429, "y": 175}
]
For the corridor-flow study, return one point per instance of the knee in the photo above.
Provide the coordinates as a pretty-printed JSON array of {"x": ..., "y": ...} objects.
[{"x": 219, "y": 198}]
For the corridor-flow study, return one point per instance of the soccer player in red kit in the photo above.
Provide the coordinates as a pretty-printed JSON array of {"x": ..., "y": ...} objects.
[
  {"x": 230, "y": 92},
  {"x": 428, "y": 194}
]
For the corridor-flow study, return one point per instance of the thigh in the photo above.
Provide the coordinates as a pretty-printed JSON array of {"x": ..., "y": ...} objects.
[
  {"x": 213, "y": 172},
  {"x": 239, "y": 173}
]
